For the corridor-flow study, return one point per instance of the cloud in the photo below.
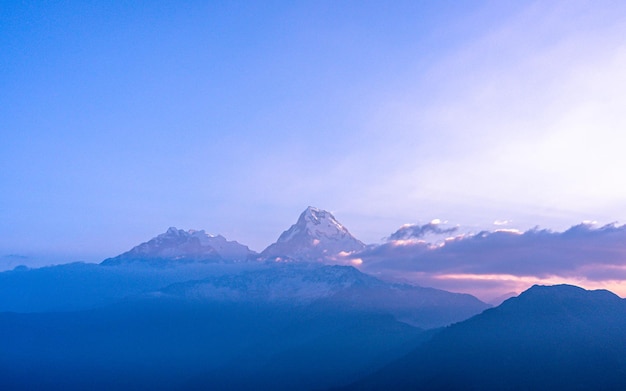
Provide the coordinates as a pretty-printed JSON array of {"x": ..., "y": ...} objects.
[
  {"x": 501, "y": 222},
  {"x": 414, "y": 231},
  {"x": 583, "y": 253},
  {"x": 523, "y": 121}
]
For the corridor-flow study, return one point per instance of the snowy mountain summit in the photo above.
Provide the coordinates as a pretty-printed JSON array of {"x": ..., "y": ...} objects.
[
  {"x": 179, "y": 245},
  {"x": 316, "y": 236}
]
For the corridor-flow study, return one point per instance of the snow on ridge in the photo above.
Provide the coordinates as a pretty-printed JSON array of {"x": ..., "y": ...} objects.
[
  {"x": 316, "y": 236},
  {"x": 178, "y": 244},
  {"x": 301, "y": 282}
]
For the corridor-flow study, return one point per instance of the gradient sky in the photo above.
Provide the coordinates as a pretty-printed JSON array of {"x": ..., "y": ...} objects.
[{"x": 120, "y": 119}]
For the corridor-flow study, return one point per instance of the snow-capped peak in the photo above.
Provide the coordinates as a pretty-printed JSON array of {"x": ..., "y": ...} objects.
[
  {"x": 316, "y": 223},
  {"x": 317, "y": 235},
  {"x": 173, "y": 231},
  {"x": 231, "y": 250},
  {"x": 181, "y": 245}
]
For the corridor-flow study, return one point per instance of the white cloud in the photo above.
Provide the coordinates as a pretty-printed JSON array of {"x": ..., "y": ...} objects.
[{"x": 525, "y": 120}]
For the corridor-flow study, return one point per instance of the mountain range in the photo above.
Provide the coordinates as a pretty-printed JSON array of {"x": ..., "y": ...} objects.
[
  {"x": 332, "y": 286},
  {"x": 316, "y": 237},
  {"x": 184, "y": 246},
  {"x": 196, "y": 264},
  {"x": 190, "y": 310},
  {"x": 548, "y": 338}
]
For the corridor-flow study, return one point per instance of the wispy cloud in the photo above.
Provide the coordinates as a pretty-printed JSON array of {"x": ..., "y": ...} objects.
[
  {"x": 522, "y": 120},
  {"x": 416, "y": 231}
]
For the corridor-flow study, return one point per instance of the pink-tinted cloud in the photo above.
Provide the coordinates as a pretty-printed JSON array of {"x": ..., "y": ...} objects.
[{"x": 506, "y": 258}]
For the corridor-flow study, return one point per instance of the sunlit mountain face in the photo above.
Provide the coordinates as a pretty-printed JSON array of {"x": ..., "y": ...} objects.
[{"x": 317, "y": 235}]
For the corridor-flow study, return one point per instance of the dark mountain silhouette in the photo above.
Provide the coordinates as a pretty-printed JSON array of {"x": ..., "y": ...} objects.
[
  {"x": 548, "y": 338},
  {"x": 198, "y": 325},
  {"x": 154, "y": 344}
]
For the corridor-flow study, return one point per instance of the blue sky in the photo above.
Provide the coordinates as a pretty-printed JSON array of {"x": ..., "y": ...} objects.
[{"x": 120, "y": 120}]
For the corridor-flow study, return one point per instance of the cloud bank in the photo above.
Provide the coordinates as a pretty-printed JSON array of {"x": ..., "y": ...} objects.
[{"x": 504, "y": 259}]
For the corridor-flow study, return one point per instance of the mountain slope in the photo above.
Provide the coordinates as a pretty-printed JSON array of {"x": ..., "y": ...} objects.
[
  {"x": 332, "y": 286},
  {"x": 82, "y": 286},
  {"x": 316, "y": 236},
  {"x": 183, "y": 246},
  {"x": 163, "y": 344},
  {"x": 558, "y": 337},
  {"x": 78, "y": 286}
]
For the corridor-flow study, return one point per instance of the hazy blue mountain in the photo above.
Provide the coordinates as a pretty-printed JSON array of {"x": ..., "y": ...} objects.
[
  {"x": 173, "y": 256},
  {"x": 160, "y": 343},
  {"x": 82, "y": 285},
  {"x": 270, "y": 326},
  {"x": 187, "y": 310},
  {"x": 334, "y": 285},
  {"x": 496, "y": 301},
  {"x": 177, "y": 245},
  {"x": 316, "y": 236},
  {"x": 548, "y": 338}
]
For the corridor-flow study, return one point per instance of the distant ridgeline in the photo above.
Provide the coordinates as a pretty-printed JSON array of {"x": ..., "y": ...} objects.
[
  {"x": 184, "y": 246},
  {"x": 188, "y": 310},
  {"x": 548, "y": 338}
]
